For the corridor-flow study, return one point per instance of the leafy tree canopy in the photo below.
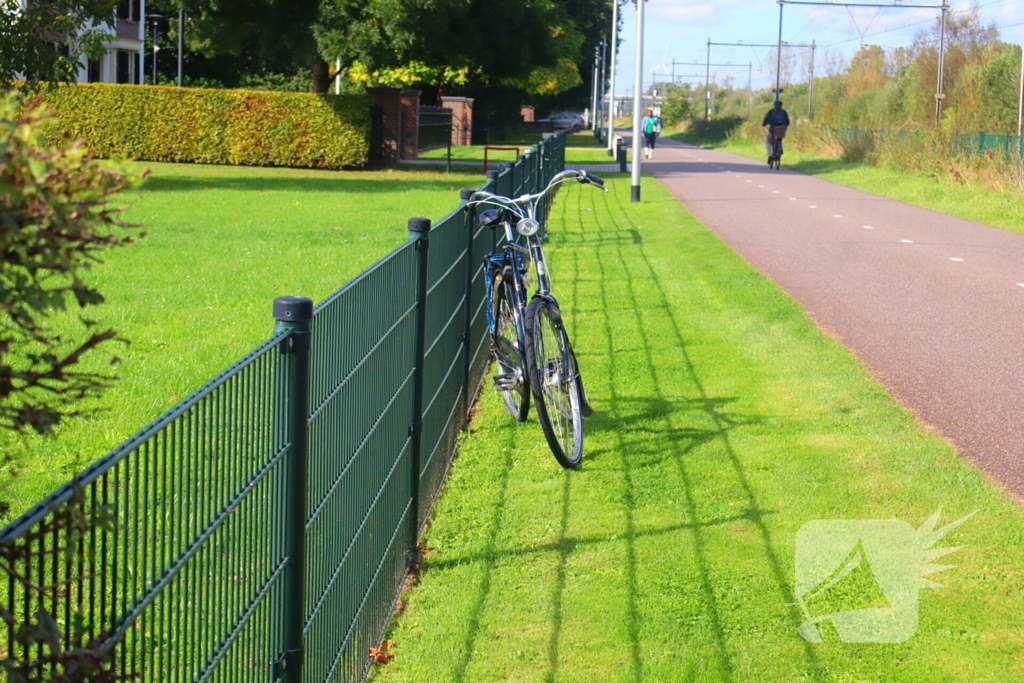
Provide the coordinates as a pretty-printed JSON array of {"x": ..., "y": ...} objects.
[{"x": 49, "y": 40}]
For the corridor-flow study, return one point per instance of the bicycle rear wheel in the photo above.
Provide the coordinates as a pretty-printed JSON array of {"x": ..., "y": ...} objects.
[
  {"x": 554, "y": 382},
  {"x": 510, "y": 365}
]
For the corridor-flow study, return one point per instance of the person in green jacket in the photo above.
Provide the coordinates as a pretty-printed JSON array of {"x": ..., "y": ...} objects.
[{"x": 650, "y": 126}]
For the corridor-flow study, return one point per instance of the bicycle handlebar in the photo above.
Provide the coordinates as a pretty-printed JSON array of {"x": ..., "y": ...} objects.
[{"x": 523, "y": 206}]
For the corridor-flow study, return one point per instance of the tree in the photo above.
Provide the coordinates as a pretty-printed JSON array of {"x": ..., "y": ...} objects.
[
  {"x": 678, "y": 105},
  {"x": 537, "y": 48},
  {"x": 48, "y": 41}
]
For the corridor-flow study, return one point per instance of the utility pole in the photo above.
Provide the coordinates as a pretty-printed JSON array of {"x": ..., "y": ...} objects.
[
  {"x": 939, "y": 95},
  {"x": 810, "y": 85},
  {"x": 1020, "y": 107},
  {"x": 611, "y": 86},
  {"x": 638, "y": 78},
  {"x": 707, "y": 86},
  {"x": 593, "y": 97},
  {"x": 778, "y": 62},
  {"x": 750, "y": 83}
]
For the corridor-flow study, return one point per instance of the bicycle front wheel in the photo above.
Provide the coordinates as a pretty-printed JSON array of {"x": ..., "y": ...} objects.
[
  {"x": 511, "y": 374},
  {"x": 554, "y": 382}
]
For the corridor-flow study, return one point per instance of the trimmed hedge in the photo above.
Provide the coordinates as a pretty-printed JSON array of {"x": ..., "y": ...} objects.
[{"x": 237, "y": 127}]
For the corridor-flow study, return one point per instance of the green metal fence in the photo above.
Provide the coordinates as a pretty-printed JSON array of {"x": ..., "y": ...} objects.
[
  {"x": 1007, "y": 147},
  {"x": 261, "y": 530}
]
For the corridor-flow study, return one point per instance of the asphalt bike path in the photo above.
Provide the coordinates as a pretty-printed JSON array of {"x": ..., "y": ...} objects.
[{"x": 931, "y": 304}]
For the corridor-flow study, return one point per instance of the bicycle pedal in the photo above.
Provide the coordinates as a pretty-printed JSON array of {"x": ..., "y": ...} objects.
[{"x": 506, "y": 382}]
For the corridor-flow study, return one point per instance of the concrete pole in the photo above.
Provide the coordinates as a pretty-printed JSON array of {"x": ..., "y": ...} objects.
[
  {"x": 602, "y": 80},
  {"x": 638, "y": 79},
  {"x": 611, "y": 85},
  {"x": 810, "y": 85},
  {"x": 181, "y": 46},
  {"x": 593, "y": 97},
  {"x": 778, "y": 59},
  {"x": 942, "y": 64},
  {"x": 1020, "y": 107},
  {"x": 707, "y": 86},
  {"x": 750, "y": 83}
]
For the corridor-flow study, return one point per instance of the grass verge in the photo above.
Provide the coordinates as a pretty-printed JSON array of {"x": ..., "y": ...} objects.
[
  {"x": 476, "y": 153},
  {"x": 1000, "y": 209},
  {"x": 725, "y": 420},
  {"x": 195, "y": 294}
]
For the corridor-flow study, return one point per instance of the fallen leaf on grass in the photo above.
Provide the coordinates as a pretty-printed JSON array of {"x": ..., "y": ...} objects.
[{"x": 380, "y": 654}]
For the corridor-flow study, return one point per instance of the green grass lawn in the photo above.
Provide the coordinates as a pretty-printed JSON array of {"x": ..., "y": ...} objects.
[
  {"x": 1000, "y": 209},
  {"x": 476, "y": 153},
  {"x": 584, "y": 138},
  {"x": 195, "y": 294},
  {"x": 725, "y": 420}
]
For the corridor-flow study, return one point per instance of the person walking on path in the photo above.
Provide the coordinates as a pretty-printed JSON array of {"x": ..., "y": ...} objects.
[
  {"x": 651, "y": 126},
  {"x": 775, "y": 117}
]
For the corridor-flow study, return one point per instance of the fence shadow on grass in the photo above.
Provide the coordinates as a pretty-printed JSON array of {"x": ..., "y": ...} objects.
[{"x": 720, "y": 421}]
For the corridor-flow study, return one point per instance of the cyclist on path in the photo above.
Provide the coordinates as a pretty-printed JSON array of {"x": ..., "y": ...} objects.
[
  {"x": 651, "y": 126},
  {"x": 775, "y": 117}
]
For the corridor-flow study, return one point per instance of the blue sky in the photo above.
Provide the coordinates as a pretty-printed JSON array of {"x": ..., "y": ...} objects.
[{"x": 679, "y": 30}]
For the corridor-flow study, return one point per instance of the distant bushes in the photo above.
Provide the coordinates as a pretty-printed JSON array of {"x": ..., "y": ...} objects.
[
  {"x": 238, "y": 127},
  {"x": 715, "y": 130}
]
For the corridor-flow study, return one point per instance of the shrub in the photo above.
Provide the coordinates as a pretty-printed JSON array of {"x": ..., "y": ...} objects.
[
  {"x": 55, "y": 222},
  {"x": 238, "y": 127},
  {"x": 716, "y": 129},
  {"x": 858, "y": 146}
]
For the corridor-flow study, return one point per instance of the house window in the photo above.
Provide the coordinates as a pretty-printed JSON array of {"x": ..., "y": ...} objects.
[
  {"x": 128, "y": 10},
  {"x": 124, "y": 66},
  {"x": 94, "y": 71}
]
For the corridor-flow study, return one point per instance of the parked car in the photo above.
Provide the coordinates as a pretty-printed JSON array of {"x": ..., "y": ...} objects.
[{"x": 569, "y": 121}]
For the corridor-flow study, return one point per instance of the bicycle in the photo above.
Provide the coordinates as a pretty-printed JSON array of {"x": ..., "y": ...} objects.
[
  {"x": 529, "y": 344},
  {"x": 778, "y": 133}
]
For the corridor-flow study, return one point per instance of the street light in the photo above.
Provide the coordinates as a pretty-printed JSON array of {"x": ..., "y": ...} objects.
[{"x": 154, "y": 18}]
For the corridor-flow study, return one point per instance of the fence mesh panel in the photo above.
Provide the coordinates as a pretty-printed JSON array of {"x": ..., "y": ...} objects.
[{"x": 174, "y": 549}]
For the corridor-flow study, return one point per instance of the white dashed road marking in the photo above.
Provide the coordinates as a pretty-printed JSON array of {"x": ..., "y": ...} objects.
[
  {"x": 869, "y": 227},
  {"x": 907, "y": 241},
  {"x": 953, "y": 258},
  {"x": 837, "y": 215},
  {"x": 812, "y": 206}
]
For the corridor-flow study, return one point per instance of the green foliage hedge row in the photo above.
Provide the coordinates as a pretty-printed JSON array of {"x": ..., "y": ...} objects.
[{"x": 238, "y": 127}]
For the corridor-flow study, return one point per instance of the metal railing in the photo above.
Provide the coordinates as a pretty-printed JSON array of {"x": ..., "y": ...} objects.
[
  {"x": 262, "y": 529},
  {"x": 1008, "y": 147}
]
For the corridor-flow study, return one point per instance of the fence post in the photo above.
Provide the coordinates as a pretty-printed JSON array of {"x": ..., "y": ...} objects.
[
  {"x": 620, "y": 155},
  {"x": 467, "y": 335},
  {"x": 492, "y": 186},
  {"x": 419, "y": 230},
  {"x": 295, "y": 314}
]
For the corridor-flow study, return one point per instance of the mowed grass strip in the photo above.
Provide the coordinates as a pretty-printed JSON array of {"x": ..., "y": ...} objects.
[
  {"x": 1003, "y": 210},
  {"x": 725, "y": 420},
  {"x": 195, "y": 294}
]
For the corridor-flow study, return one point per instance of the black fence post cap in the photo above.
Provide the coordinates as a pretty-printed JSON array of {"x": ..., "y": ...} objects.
[
  {"x": 293, "y": 309},
  {"x": 420, "y": 225},
  {"x": 467, "y": 194},
  {"x": 492, "y": 174}
]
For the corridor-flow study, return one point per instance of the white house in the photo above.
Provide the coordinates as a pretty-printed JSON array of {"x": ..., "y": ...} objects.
[{"x": 124, "y": 58}]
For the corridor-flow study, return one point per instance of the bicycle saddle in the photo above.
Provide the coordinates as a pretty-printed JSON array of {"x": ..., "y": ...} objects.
[{"x": 489, "y": 218}]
